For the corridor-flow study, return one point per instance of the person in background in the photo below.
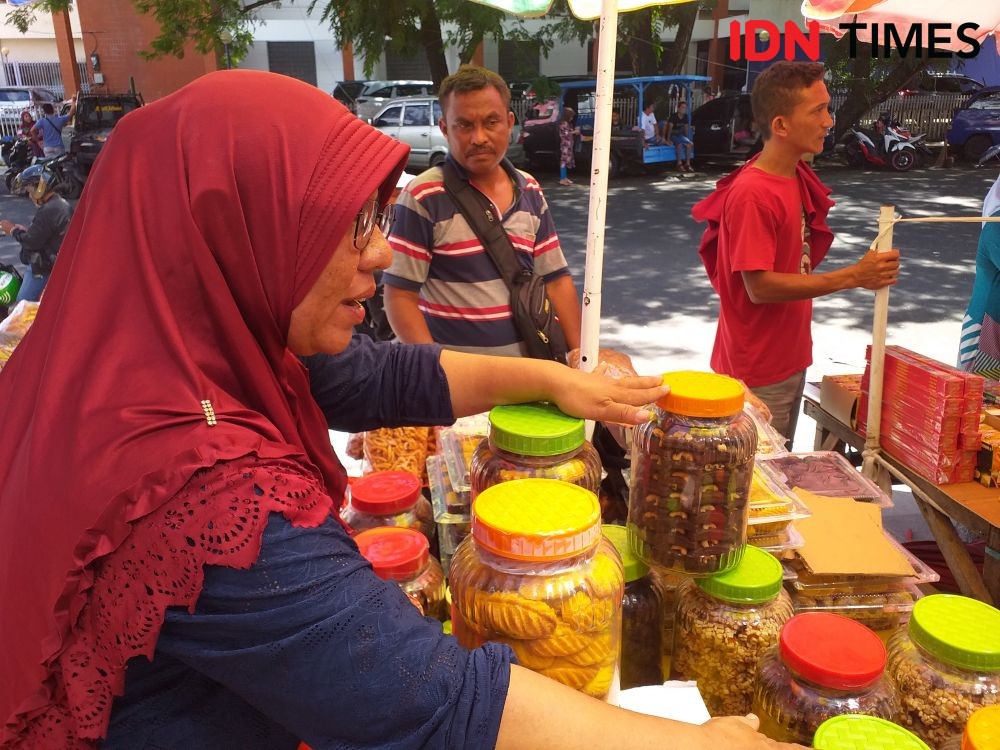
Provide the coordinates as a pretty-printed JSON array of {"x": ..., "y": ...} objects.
[
  {"x": 766, "y": 235},
  {"x": 49, "y": 128},
  {"x": 678, "y": 132},
  {"x": 24, "y": 130},
  {"x": 41, "y": 241},
  {"x": 186, "y": 583},
  {"x": 568, "y": 133},
  {"x": 979, "y": 347},
  {"x": 648, "y": 126}
]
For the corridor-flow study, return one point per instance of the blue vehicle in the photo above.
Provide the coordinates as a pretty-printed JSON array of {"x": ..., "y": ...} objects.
[
  {"x": 628, "y": 151},
  {"x": 976, "y": 125}
]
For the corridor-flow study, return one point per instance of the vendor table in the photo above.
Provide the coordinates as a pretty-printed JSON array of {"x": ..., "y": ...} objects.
[{"x": 968, "y": 503}]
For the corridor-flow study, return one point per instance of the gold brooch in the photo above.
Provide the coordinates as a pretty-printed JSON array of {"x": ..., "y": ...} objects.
[{"x": 206, "y": 406}]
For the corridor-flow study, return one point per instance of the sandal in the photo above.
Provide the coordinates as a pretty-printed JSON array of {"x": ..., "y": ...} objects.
[{"x": 566, "y": 182}]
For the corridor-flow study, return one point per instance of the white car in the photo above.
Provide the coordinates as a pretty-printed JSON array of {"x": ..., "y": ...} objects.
[
  {"x": 376, "y": 94},
  {"x": 414, "y": 121}
]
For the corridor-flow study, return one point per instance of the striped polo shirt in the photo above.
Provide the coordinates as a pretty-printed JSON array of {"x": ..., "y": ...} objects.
[{"x": 463, "y": 297}]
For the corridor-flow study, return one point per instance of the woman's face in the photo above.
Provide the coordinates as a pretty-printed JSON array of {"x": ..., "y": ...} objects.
[
  {"x": 26, "y": 118},
  {"x": 325, "y": 318}
]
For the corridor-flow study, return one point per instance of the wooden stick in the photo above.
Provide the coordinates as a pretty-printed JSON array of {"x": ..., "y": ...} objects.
[{"x": 880, "y": 321}]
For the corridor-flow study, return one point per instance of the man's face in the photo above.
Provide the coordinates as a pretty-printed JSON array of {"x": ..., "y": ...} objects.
[
  {"x": 477, "y": 125},
  {"x": 807, "y": 125}
]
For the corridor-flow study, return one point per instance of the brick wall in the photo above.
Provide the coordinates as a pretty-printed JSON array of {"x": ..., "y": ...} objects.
[{"x": 118, "y": 32}]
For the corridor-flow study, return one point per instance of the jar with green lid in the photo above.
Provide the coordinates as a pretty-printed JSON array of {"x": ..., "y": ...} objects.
[
  {"x": 723, "y": 626},
  {"x": 945, "y": 665},
  {"x": 388, "y": 498},
  {"x": 642, "y": 617},
  {"x": 403, "y": 556},
  {"x": 982, "y": 732},
  {"x": 536, "y": 440},
  {"x": 824, "y": 665},
  {"x": 691, "y": 472},
  {"x": 536, "y": 574},
  {"x": 857, "y": 732}
]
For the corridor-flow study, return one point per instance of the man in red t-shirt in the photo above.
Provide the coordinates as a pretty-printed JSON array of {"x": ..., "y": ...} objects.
[{"x": 767, "y": 233}]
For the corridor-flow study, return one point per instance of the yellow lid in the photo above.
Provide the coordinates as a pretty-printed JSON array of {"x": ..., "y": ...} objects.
[
  {"x": 702, "y": 394},
  {"x": 536, "y": 519}
]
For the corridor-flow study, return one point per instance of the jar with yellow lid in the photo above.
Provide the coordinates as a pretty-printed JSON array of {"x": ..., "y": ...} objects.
[
  {"x": 982, "y": 732},
  {"x": 824, "y": 665},
  {"x": 536, "y": 574},
  {"x": 535, "y": 440},
  {"x": 403, "y": 556},
  {"x": 691, "y": 472},
  {"x": 946, "y": 665},
  {"x": 723, "y": 626},
  {"x": 388, "y": 498}
]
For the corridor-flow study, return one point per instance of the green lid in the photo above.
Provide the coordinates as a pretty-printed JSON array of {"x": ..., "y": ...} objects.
[
  {"x": 9, "y": 287},
  {"x": 618, "y": 536},
  {"x": 757, "y": 579},
  {"x": 859, "y": 732},
  {"x": 960, "y": 631},
  {"x": 538, "y": 429}
]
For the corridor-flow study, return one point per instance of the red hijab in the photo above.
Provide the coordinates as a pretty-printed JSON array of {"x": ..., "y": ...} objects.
[{"x": 207, "y": 219}]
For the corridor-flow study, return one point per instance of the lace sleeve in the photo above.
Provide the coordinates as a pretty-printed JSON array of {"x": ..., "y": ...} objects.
[{"x": 312, "y": 639}]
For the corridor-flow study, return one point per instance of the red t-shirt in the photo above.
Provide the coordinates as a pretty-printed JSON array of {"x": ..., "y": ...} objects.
[{"x": 762, "y": 229}]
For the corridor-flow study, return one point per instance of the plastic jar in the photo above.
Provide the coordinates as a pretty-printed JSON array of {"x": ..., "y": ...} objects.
[
  {"x": 945, "y": 665},
  {"x": 534, "y": 441},
  {"x": 642, "y": 617},
  {"x": 723, "y": 626},
  {"x": 537, "y": 575},
  {"x": 388, "y": 498},
  {"x": 824, "y": 665},
  {"x": 691, "y": 473},
  {"x": 853, "y": 731},
  {"x": 668, "y": 584},
  {"x": 403, "y": 556}
]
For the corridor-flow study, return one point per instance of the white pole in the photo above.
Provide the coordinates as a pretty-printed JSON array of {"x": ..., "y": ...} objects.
[
  {"x": 880, "y": 322},
  {"x": 590, "y": 332}
]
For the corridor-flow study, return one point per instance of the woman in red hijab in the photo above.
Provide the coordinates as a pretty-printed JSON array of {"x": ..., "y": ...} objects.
[{"x": 172, "y": 571}]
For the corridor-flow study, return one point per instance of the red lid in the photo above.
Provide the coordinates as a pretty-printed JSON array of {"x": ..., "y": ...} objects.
[
  {"x": 383, "y": 493},
  {"x": 396, "y": 553},
  {"x": 832, "y": 651}
]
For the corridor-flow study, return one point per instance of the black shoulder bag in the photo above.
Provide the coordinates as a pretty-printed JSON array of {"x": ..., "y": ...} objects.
[{"x": 533, "y": 313}]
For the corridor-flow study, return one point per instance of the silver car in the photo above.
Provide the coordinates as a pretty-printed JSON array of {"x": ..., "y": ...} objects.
[
  {"x": 376, "y": 94},
  {"x": 414, "y": 121}
]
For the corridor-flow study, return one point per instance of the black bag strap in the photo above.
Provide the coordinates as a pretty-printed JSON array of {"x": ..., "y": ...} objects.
[{"x": 485, "y": 223}]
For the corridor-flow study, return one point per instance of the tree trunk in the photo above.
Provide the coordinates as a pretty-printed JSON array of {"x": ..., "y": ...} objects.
[
  {"x": 433, "y": 43},
  {"x": 861, "y": 98},
  {"x": 641, "y": 51},
  {"x": 678, "y": 55}
]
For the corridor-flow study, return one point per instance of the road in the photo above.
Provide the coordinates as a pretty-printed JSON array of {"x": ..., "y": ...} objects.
[{"x": 659, "y": 307}]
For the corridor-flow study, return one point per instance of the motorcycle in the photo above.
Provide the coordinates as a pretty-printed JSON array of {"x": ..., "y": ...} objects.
[
  {"x": 890, "y": 145},
  {"x": 17, "y": 155},
  {"x": 68, "y": 182}
]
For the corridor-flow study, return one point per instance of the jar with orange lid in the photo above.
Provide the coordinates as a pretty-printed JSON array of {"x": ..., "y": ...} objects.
[
  {"x": 723, "y": 626},
  {"x": 536, "y": 574},
  {"x": 403, "y": 556},
  {"x": 691, "y": 471},
  {"x": 824, "y": 665},
  {"x": 388, "y": 498},
  {"x": 946, "y": 665},
  {"x": 535, "y": 440},
  {"x": 982, "y": 732}
]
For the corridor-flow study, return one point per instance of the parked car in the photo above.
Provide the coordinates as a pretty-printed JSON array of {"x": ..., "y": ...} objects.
[
  {"x": 716, "y": 124},
  {"x": 376, "y": 94},
  {"x": 414, "y": 121},
  {"x": 16, "y": 99},
  {"x": 937, "y": 82},
  {"x": 975, "y": 126},
  {"x": 347, "y": 92},
  {"x": 95, "y": 118}
]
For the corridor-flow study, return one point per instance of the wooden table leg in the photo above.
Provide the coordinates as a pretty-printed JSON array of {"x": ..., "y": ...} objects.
[
  {"x": 991, "y": 573},
  {"x": 955, "y": 554}
]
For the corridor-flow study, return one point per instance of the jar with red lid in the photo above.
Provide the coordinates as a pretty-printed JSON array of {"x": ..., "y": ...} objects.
[
  {"x": 388, "y": 498},
  {"x": 824, "y": 665},
  {"x": 403, "y": 556}
]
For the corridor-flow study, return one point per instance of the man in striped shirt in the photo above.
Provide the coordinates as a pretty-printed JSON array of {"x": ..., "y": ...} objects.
[{"x": 442, "y": 285}]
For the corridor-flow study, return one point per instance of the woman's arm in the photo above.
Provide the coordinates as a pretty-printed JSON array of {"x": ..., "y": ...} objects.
[{"x": 479, "y": 382}]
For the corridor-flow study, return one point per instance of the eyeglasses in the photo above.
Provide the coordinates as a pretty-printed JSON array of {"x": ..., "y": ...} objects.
[{"x": 370, "y": 217}]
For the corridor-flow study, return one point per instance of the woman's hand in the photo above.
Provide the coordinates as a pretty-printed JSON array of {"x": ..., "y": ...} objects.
[
  {"x": 739, "y": 732},
  {"x": 599, "y": 396}
]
